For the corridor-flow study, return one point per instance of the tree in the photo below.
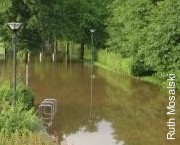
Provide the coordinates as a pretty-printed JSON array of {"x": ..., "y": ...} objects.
[
  {"x": 162, "y": 37},
  {"x": 79, "y": 16},
  {"x": 47, "y": 21},
  {"x": 148, "y": 31},
  {"x": 125, "y": 24}
]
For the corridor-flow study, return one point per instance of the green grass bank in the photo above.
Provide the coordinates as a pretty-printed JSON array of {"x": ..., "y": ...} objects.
[
  {"x": 123, "y": 66},
  {"x": 2, "y": 52}
]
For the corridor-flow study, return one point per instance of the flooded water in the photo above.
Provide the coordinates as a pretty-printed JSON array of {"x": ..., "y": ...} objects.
[{"x": 119, "y": 111}]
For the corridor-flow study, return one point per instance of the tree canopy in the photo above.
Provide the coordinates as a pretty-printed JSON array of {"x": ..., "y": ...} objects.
[
  {"x": 55, "y": 19},
  {"x": 148, "y": 31}
]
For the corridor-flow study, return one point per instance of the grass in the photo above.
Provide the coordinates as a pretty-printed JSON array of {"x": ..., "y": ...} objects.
[
  {"x": 1, "y": 49},
  {"x": 154, "y": 79},
  {"x": 112, "y": 61},
  {"x": 123, "y": 66},
  {"x": 115, "y": 62},
  {"x": 2, "y": 52},
  {"x": 27, "y": 138}
]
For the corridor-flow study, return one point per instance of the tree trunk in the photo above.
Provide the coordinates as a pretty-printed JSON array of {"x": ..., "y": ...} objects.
[
  {"x": 26, "y": 57},
  {"x": 5, "y": 53},
  {"x": 82, "y": 50},
  {"x": 67, "y": 52},
  {"x": 55, "y": 47}
]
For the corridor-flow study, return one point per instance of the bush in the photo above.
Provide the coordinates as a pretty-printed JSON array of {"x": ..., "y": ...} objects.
[
  {"x": 23, "y": 95},
  {"x": 19, "y": 124},
  {"x": 14, "y": 117},
  {"x": 139, "y": 68}
]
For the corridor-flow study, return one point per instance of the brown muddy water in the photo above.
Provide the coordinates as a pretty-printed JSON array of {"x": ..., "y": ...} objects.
[{"x": 120, "y": 111}]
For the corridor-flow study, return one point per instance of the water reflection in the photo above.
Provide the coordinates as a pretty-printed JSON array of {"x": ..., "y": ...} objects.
[{"x": 103, "y": 136}]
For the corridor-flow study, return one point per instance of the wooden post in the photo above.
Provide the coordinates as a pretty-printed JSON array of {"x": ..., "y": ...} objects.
[
  {"x": 53, "y": 57},
  {"x": 67, "y": 52},
  {"x": 82, "y": 50},
  {"x": 5, "y": 53},
  {"x": 40, "y": 57},
  {"x": 27, "y": 74}
]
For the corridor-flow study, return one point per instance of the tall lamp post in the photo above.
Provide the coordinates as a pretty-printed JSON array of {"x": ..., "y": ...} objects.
[
  {"x": 14, "y": 26},
  {"x": 92, "y": 42},
  {"x": 91, "y": 77}
]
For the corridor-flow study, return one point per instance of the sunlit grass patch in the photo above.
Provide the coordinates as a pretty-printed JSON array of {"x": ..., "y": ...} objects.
[
  {"x": 25, "y": 138},
  {"x": 115, "y": 62}
]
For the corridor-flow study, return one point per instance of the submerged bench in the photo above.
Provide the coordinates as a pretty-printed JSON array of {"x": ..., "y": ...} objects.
[{"x": 47, "y": 110}]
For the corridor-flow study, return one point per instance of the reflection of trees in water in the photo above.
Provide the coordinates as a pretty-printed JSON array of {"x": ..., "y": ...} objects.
[
  {"x": 136, "y": 110},
  {"x": 70, "y": 86},
  {"x": 72, "y": 119},
  {"x": 138, "y": 117},
  {"x": 5, "y": 71}
]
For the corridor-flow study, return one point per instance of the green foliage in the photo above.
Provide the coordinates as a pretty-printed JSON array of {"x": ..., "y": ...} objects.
[
  {"x": 21, "y": 55},
  {"x": 125, "y": 24},
  {"x": 14, "y": 118},
  {"x": 148, "y": 28},
  {"x": 162, "y": 37},
  {"x": 140, "y": 68},
  {"x": 79, "y": 16},
  {"x": 115, "y": 62},
  {"x": 23, "y": 95},
  {"x": 4, "y": 5},
  {"x": 1, "y": 49},
  {"x": 45, "y": 22},
  {"x": 19, "y": 123}
]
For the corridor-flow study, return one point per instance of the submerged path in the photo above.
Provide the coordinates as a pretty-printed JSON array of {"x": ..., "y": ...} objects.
[{"x": 121, "y": 111}]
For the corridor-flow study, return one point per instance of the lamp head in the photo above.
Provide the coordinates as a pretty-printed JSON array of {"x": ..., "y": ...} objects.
[
  {"x": 14, "y": 26},
  {"x": 92, "y": 30}
]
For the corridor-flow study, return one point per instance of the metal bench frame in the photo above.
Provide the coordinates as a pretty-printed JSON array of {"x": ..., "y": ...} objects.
[{"x": 47, "y": 116}]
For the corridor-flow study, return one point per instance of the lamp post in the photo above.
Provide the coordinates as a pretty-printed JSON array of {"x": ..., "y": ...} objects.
[
  {"x": 92, "y": 41},
  {"x": 91, "y": 77},
  {"x": 14, "y": 26}
]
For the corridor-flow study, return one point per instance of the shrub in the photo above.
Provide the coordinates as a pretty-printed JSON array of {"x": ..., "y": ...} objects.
[
  {"x": 23, "y": 95},
  {"x": 21, "y": 55},
  {"x": 139, "y": 68},
  {"x": 19, "y": 124},
  {"x": 15, "y": 118}
]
